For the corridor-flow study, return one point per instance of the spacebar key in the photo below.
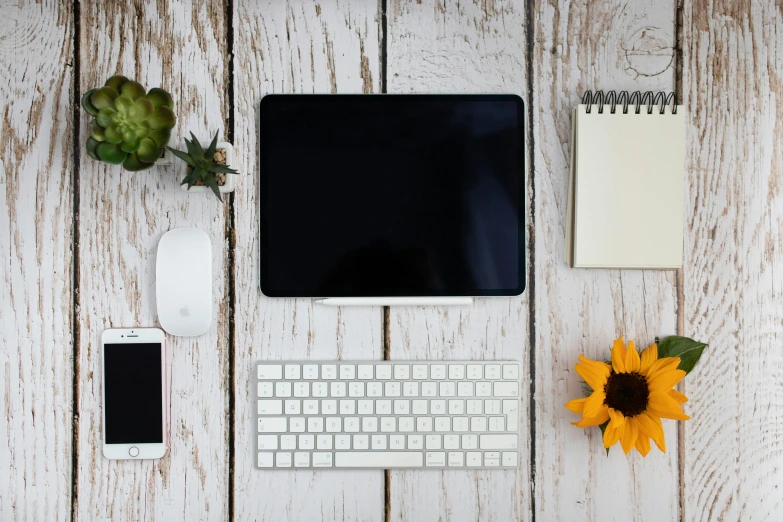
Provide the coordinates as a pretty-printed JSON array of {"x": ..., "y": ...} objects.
[{"x": 378, "y": 459}]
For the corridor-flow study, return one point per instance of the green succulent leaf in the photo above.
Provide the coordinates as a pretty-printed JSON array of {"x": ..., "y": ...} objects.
[
  {"x": 141, "y": 109},
  {"x": 688, "y": 350},
  {"x": 160, "y": 136},
  {"x": 149, "y": 150},
  {"x": 132, "y": 90},
  {"x": 111, "y": 153},
  {"x": 103, "y": 97},
  {"x": 92, "y": 146},
  {"x": 87, "y": 104},
  {"x": 116, "y": 81},
  {"x": 211, "y": 149},
  {"x": 162, "y": 118},
  {"x": 183, "y": 156},
  {"x": 113, "y": 135},
  {"x": 212, "y": 183},
  {"x": 105, "y": 117},
  {"x": 159, "y": 98},
  {"x": 196, "y": 152},
  {"x": 143, "y": 130},
  {"x": 134, "y": 164},
  {"x": 195, "y": 141},
  {"x": 97, "y": 132},
  {"x": 123, "y": 104},
  {"x": 130, "y": 145},
  {"x": 222, "y": 168}
]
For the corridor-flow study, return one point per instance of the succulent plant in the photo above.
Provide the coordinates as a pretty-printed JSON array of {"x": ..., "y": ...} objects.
[
  {"x": 202, "y": 164},
  {"x": 131, "y": 126}
]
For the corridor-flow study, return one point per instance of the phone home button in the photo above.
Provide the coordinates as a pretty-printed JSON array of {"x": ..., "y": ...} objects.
[{"x": 133, "y": 451}]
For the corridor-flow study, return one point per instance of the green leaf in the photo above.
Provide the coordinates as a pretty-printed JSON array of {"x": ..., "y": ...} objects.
[
  {"x": 116, "y": 81},
  {"x": 603, "y": 429},
  {"x": 105, "y": 116},
  {"x": 688, "y": 350},
  {"x": 91, "y": 147},
  {"x": 211, "y": 149},
  {"x": 159, "y": 97},
  {"x": 111, "y": 153},
  {"x": 160, "y": 136},
  {"x": 134, "y": 164},
  {"x": 183, "y": 156},
  {"x": 103, "y": 97},
  {"x": 141, "y": 109},
  {"x": 194, "y": 151},
  {"x": 123, "y": 104},
  {"x": 148, "y": 151},
  {"x": 97, "y": 132},
  {"x": 196, "y": 142},
  {"x": 211, "y": 183},
  {"x": 132, "y": 90},
  {"x": 87, "y": 104},
  {"x": 222, "y": 168},
  {"x": 162, "y": 118},
  {"x": 113, "y": 135},
  {"x": 131, "y": 145}
]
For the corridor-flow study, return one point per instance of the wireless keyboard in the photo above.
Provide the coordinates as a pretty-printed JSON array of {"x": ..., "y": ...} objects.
[{"x": 340, "y": 414}]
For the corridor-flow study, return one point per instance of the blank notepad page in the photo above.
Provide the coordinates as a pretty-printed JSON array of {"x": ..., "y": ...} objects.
[{"x": 628, "y": 175}]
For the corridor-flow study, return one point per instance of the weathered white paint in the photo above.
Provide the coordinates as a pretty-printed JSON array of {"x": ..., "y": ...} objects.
[
  {"x": 36, "y": 262},
  {"x": 298, "y": 47},
  {"x": 181, "y": 48},
  {"x": 474, "y": 48},
  {"x": 733, "y": 447}
]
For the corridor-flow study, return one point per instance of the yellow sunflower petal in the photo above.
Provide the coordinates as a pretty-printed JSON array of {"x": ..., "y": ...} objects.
[
  {"x": 576, "y": 405},
  {"x": 643, "y": 445},
  {"x": 665, "y": 380},
  {"x": 618, "y": 356},
  {"x": 614, "y": 430},
  {"x": 593, "y": 372},
  {"x": 652, "y": 427},
  {"x": 649, "y": 356},
  {"x": 616, "y": 417},
  {"x": 663, "y": 405},
  {"x": 593, "y": 404},
  {"x": 630, "y": 434},
  {"x": 587, "y": 422},
  {"x": 662, "y": 365},
  {"x": 677, "y": 396},
  {"x": 632, "y": 362}
]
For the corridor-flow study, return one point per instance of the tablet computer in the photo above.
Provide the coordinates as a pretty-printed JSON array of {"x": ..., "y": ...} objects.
[{"x": 392, "y": 195}]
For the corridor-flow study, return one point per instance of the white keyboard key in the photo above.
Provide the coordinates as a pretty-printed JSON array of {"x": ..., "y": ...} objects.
[
  {"x": 429, "y": 389},
  {"x": 511, "y": 411},
  {"x": 307, "y": 442},
  {"x": 402, "y": 372},
  {"x": 465, "y": 389},
  {"x": 511, "y": 371},
  {"x": 436, "y": 458},
  {"x": 448, "y": 389},
  {"x": 272, "y": 424},
  {"x": 270, "y": 407},
  {"x": 489, "y": 442},
  {"x": 315, "y": 425},
  {"x": 356, "y": 389},
  {"x": 475, "y": 372},
  {"x": 352, "y": 424},
  {"x": 347, "y": 407},
  {"x": 342, "y": 442},
  {"x": 293, "y": 371},
  {"x": 329, "y": 407},
  {"x": 405, "y": 424},
  {"x": 310, "y": 372},
  {"x": 310, "y": 407},
  {"x": 270, "y": 372},
  {"x": 383, "y": 407},
  {"x": 419, "y": 407},
  {"x": 456, "y": 372},
  {"x": 492, "y": 407},
  {"x": 510, "y": 458},
  {"x": 365, "y": 372},
  {"x": 478, "y": 424},
  {"x": 265, "y": 389},
  {"x": 322, "y": 460},
  {"x": 497, "y": 424},
  {"x": 301, "y": 459},
  {"x": 442, "y": 423},
  {"x": 460, "y": 424},
  {"x": 475, "y": 407},
  {"x": 323, "y": 442},
  {"x": 388, "y": 424},
  {"x": 265, "y": 459},
  {"x": 492, "y": 455},
  {"x": 432, "y": 441},
  {"x": 283, "y": 389},
  {"x": 375, "y": 389},
  {"x": 391, "y": 459},
  {"x": 456, "y": 459},
  {"x": 338, "y": 389},
  {"x": 469, "y": 441},
  {"x": 483, "y": 389},
  {"x": 424, "y": 424},
  {"x": 473, "y": 458},
  {"x": 456, "y": 407},
  {"x": 391, "y": 389},
  {"x": 293, "y": 407},
  {"x": 397, "y": 442},
  {"x": 415, "y": 441},
  {"x": 492, "y": 371},
  {"x": 506, "y": 389},
  {"x": 366, "y": 407},
  {"x": 283, "y": 460},
  {"x": 267, "y": 442},
  {"x": 369, "y": 424},
  {"x": 438, "y": 371},
  {"x": 287, "y": 442},
  {"x": 410, "y": 389},
  {"x": 334, "y": 424},
  {"x": 451, "y": 442},
  {"x": 329, "y": 372},
  {"x": 491, "y": 462},
  {"x": 347, "y": 372},
  {"x": 320, "y": 389},
  {"x": 298, "y": 425},
  {"x": 361, "y": 442},
  {"x": 402, "y": 407},
  {"x": 438, "y": 407},
  {"x": 420, "y": 372},
  {"x": 378, "y": 442},
  {"x": 383, "y": 371},
  {"x": 301, "y": 389}
]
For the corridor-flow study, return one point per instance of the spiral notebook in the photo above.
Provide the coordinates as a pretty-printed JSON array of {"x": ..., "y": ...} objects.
[{"x": 626, "y": 189}]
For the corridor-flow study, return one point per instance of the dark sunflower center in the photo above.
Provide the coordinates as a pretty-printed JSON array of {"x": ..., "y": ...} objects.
[{"x": 627, "y": 393}]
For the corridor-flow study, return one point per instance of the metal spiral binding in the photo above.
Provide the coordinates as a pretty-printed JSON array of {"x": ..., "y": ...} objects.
[{"x": 625, "y": 99}]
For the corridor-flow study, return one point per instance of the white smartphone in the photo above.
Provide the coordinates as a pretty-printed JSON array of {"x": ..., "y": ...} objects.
[{"x": 135, "y": 411}]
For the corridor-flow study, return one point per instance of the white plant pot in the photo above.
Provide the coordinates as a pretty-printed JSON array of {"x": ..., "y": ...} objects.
[{"x": 230, "y": 178}]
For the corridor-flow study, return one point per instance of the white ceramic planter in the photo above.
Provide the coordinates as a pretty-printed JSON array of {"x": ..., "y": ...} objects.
[{"x": 230, "y": 178}]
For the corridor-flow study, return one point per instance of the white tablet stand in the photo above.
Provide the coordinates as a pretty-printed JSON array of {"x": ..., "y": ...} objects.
[{"x": 396, "y": 301}]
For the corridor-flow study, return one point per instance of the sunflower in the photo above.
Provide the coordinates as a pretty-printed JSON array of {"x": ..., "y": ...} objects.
[{"x": 633, "y": 394}]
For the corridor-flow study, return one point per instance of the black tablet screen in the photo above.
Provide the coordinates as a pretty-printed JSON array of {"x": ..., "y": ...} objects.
[{"x": 392, "y": 195}]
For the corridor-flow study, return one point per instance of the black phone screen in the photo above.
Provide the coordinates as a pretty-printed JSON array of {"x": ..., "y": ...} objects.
[{"x": 133, "y": 403}]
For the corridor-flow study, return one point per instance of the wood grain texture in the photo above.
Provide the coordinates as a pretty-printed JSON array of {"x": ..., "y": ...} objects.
[
  {"x": 733, "y": 447},
  {"x": 474, "y": 48},
  {"x": 36, "y": 262},
  {"x": 299, "y": 47},
  {"x": 182, "y": 48},
  {"x": 596, "y": 46}
]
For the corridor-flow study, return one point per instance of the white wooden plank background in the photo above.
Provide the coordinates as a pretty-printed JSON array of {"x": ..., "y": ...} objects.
[{"x": 77, "y": 243}]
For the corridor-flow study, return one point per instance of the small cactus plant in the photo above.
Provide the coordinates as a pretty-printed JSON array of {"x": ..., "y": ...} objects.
[
  {"x": 203, "y": 168},
  {"x": 131, "y": 126}
]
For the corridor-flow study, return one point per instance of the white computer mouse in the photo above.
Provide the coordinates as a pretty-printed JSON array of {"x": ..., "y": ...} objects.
[{"x": 183, "y": 282}]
